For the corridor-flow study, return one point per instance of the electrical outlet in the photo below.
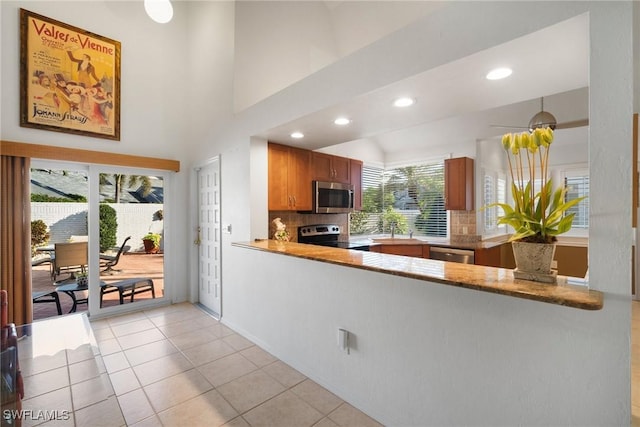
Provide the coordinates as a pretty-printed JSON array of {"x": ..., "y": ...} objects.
[
  {"x": 465, "y": 230},
  {"x": 554, "y": 264}
]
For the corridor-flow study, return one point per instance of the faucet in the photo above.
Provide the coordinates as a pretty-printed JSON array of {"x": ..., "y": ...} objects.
[
  {"x": 393, "y": 229},
  {"x": 411, "y": 234}
]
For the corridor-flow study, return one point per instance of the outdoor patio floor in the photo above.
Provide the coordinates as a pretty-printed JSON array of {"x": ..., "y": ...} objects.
[{"x": 131, "y": 265}]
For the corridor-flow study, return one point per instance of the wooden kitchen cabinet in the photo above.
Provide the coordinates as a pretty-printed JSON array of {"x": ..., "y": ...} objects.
[
  {"x": 331, "y": 168},
  {"x": 289, "y": 178},
  {"x": 458, "y": 184},
  {"x": 489, "y": 257},
  {"x": 356, "y": 181},
  {"x": 406, "y": 250}
]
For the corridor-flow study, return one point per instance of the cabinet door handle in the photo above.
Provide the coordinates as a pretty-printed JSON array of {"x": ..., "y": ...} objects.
[
  {"x": 290, "y": 204},
  {"x": 294, "y": 201}
]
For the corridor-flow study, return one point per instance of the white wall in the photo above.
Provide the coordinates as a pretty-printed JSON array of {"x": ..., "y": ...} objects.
[
  {"x": 154, "y": 80},
  {"x": 504, "y": 361},
  {"x": 428, "y": 354}
]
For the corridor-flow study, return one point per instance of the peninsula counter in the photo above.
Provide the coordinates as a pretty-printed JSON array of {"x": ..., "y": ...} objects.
[{"x": 484, "y": 279}]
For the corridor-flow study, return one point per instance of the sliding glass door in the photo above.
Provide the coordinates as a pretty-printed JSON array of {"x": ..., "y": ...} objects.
[{"x": 118, "y": 216}]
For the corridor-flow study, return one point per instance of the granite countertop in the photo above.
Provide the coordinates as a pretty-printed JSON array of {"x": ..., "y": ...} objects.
[
  {"x": 485, "y": 279},
  {"x": 445, "y": 243}
]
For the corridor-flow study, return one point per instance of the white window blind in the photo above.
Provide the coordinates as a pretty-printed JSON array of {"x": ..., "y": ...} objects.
[
  {"x": 414, "y": 192},
  {"x": 578, "y": 186},
  {"x": 495, "y": 185}
]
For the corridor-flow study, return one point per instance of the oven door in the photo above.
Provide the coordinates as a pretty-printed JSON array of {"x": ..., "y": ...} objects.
[{"x": 332, "y": 197}]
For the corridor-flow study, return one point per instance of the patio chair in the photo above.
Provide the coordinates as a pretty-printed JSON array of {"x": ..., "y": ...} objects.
[
  {"x": 109, "y": 261},
  {"x": 128, "y": 288},
  {"x": 69, "y": 257},
  {"x": 44, "y": 297}
]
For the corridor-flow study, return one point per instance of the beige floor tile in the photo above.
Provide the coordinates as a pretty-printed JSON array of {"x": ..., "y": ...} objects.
[
  {"x": 250, "y": 390},
  {"x": 91, "y": 392},
  {"x": 178, "y": 328},
  {"x": 109, "y": 346},
  {"x": 325, "y": 422},
  {"x": 147, "y": 352},
  {"x": 99, "y": 324},
  {"x": 258, "y": 356},
  {"x": 284, "y": 374},
  {"x": 220, "y": 330},
  {"x": 137, "y": 339},
  {"x": 237, "y": 422},
  {"x": 83, "y": 371},
  {"x": 124, "y": 381},
  {"x": 208, "y": 352},
  {"x": 176, "y": 316},
  {"x": 179, "y": 388},
  {"x": 104, "y": 414},
  {"x": 45, "y": 382},
  {"x": 152, "y": 421},
  {"x": 135, "y": 406},
  {"x": 192, "y": 339},
  {"x": 103, "y": 334},
  {"x": 348, "y": 416},
  {"x": 284, "y": 410},
  {"x": 209, "y": 409},
  {"x": 161, "y": 368},
  {"x": 32, "y": 366},
  {"x": 126, "y": 318},
  {"x": 115, "y": 362},
  {"x": 58, "y": 400},
  {"x": 238, "y": 342},
  {"x": 82, "y": 353},
  {"x": 318, "y": 397},
  {"x": 139, "y": 325},
  {"x": 226, "y": 369},
  {"x": 207, "y": 322}
]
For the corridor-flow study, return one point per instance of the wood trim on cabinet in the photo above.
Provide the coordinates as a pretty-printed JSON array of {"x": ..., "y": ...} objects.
[{"x": 50, "y": 152}]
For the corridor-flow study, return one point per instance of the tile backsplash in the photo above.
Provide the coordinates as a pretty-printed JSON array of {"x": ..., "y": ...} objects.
[
  {"x": 293, "y": 220},
  {"x": 462, "y": 228}
]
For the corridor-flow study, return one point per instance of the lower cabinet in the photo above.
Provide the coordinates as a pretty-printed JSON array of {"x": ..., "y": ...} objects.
[{"x": 406, "y": 250}]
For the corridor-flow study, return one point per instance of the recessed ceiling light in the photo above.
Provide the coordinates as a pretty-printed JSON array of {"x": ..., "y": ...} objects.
[
  {"x": 160, "y": 11},
  {"x": 341, "y": 121},
  {"x": 297, "y": 135},
  {"x": 404, "y": 102},
  {"x": 499, "y": 73}
]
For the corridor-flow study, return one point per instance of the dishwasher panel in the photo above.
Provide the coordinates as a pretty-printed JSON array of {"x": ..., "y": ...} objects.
[{"x": 464, "y": 256}]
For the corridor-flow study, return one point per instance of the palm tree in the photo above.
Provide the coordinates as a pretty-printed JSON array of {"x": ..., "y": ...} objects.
[{"x": 120, "y": 180}]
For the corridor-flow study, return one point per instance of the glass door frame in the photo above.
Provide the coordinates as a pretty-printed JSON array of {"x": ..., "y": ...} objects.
[{"x": 94, "y": 244}]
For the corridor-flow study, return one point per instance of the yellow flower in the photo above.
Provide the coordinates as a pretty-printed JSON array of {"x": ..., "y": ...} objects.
[{"x": 506, "y": 141}]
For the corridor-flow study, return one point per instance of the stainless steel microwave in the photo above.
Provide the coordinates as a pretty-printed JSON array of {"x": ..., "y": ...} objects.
[{"x": 332, "y": 197}]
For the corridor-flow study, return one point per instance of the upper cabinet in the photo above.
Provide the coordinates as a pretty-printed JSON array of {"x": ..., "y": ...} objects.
[
  {"x": 458, "y": 184},
  {"x": 289, "y": 178},
  {"x": 292, "y": 170},
  {"x": 331, "y": 168}
]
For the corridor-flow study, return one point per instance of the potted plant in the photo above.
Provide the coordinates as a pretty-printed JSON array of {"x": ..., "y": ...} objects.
[
  {"x": 151, "y": 243},
  {"x": 536, "y": 217}
]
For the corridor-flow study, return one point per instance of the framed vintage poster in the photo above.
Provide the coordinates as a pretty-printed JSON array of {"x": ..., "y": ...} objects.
[{"x": 69, "y": 78}]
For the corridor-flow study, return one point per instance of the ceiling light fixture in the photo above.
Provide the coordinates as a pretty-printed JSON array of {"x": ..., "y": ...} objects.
[
  {"x": 499, "y": 73},
  {"x": 341, "y": 121},
  {"x": 297, "y": 135},
  {"x": 404, "y": 102},
  {"x": 161, "y": 11}
]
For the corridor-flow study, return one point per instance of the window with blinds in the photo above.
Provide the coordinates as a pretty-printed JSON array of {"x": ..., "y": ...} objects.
[
  {"x": 578, "y": 186},
  {"x": 411, "y": 198},
  {"x": 494, "y": 191}
]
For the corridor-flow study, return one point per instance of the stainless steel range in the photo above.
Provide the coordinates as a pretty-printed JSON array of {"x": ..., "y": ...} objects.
[{"x": 327, "y": 235}]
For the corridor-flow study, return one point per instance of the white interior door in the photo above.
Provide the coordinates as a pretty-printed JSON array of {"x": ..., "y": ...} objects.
[{"x": 209, "y": 277}]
